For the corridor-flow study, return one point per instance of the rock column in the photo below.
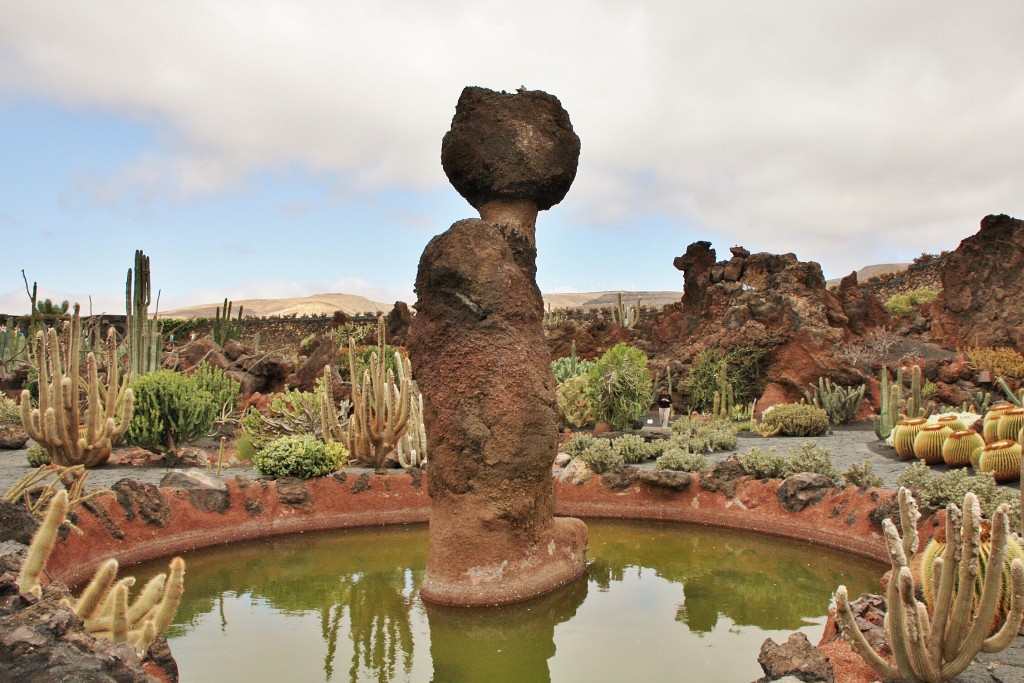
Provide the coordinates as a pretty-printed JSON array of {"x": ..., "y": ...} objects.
[{"x": 478, "y": 352}]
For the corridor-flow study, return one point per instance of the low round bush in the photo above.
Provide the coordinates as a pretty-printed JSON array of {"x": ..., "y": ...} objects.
[
  {"x": 697, "y": 435},
  {"x": 794, "y": 419},
  {"x": 170, "y": 410},
  {"x": 808, "y": 457},
  {"x": 578, "y": 443},
  {"x": 303, "y": 456},
  {"x": 678, "y": 460},
  {"x": 632, "y": 448}
]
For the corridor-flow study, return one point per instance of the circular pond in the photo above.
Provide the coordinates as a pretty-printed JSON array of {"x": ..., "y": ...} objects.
[{"x": 659, "y": 602}]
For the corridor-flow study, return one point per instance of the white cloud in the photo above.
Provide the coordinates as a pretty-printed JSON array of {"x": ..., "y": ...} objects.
[{"x": 834, "y": 130}]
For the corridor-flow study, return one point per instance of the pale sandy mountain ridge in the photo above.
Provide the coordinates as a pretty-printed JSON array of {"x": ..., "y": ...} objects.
[{"x": 352, "y": 304}]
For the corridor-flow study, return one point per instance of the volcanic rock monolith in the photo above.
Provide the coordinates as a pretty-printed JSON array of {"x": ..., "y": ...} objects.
[{"x": 479, "y": 356}]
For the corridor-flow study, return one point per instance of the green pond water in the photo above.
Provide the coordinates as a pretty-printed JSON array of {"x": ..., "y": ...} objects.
[{"x": 659, "y": 602}]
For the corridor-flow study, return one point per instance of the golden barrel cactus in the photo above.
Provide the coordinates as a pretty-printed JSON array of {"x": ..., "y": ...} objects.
[
  {"x": 928, "y": 443},
  {"x": 1010, "y": 424},
  {"x": 1002, "y": 459},
  {"x": 960, "y": 445},
  {"x": 952, "y": 421},
  {"x": 991, "y": 424},
  {"x": 904, "y": 435}
]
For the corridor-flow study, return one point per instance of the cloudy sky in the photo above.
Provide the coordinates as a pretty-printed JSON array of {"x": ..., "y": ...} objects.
[{"x": 265, "y": 149}]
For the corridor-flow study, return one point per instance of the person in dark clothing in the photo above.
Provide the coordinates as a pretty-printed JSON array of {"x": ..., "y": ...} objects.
[{"x": 664, "y": 406}]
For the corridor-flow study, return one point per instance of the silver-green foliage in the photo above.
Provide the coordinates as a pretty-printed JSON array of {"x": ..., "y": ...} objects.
[
  {"x": 680, "y": 460},
  {"x": 37, "y": 456},
  {"x": 170, "y": 409},
  {"x": 696, "y": 435},
  {"x": 936, "y": 490},
  {"x": 221, "y": 386},
  {"x": 10, "y": 411},
  {"x": 620, "y": 386},
  {"x": 303, "y": 456},
  {"x": 794, "y": 419},
  {"x": 569, "y": 366},
  {"x": 632, "y": 448},
  {"x": 290, "y": 413},
  {"x": 578, "y": 443},
  {"x": 862, "y": 475},
  {"x": 601, "y": 456},
  {"x": 808, "y": 457}
]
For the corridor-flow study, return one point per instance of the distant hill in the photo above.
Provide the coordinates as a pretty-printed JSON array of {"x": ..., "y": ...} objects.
[
  {"x": 316, "y": 304},
  {"x": 868, "y": 272},
  {"x": 352, "y": 304}
]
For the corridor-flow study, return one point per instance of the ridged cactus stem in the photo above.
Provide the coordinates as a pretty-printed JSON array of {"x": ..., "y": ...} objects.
[
  {"x": 936, "y": 647},
  {"x": 143, "y": 334},
  {"x": 95, "y": 593},
  {"x": 333, "y": 429},
  {"x": 381, "y": 405}
]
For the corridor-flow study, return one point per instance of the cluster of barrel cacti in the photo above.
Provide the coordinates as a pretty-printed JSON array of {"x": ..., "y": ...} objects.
[
  {"x": 103, "y": 604},
  {"x": 1002, "y": 433},
  {"x": 974, "y": 606}
]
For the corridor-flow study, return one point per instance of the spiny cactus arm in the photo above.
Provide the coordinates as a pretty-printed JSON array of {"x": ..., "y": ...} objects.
[
  {"x": 896, "y": 627},
  {"x": 31, "y": 418},
  {"x": 332, "y": 429},
  {"x": 856, "y": 639},
  {"x": 916, "y": 626},
  {"x": 944, "y": 575},
  {"x": 909, "y": 517},
  {"x": 163, "y": 613},
  {"x": 144, "y": 637},
  {"x": 42, "y": 545},
  {"x": 119, "y": 619},
  {"x": 989, "y": 601},
  {"x": 970, "y": 554},
  {"x": 96, "y": 592},
  {"x": 1002, "y": 639}
]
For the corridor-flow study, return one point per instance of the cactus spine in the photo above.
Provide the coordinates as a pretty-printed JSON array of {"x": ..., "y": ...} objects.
[
  {"x": 990, "y": 427},
  {"x": 57, "y": 424},
  {"x": 1002, "y": 459},
  {"x": 905, "y": 434},
  {"x": 952, "y": 421},
  {"x": 928, "y": 443},
  {"x": 42, "y": 545},
  {"x": 381, "y": 405},
  {"x": 938, "y": 647},
  {"x": 144, "y": 335},
  {"x": 1010, "y": 423}
]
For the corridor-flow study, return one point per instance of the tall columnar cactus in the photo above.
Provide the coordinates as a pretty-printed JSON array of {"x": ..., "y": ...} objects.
[
  {"x": 626, "y": 316},
  {"x": 69, "y": 436},
  {"x": 224, "y": 328},
  {"x": 144, "y": 334},
  {"x": 412, "y": 448},
  {"x": 381, "y": 404},
  {"x": 334, "y": 428},
  {"x": 724, "y": 399},
  {"x": 915, "y": 406},
  {"x": 937, "y": 646},
  {"x": 103, "y": 604},
  {"x": 1016, "y": 397},
  {"x": 889, "y": 413}
]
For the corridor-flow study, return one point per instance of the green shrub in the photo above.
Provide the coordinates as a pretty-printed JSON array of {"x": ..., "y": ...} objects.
[
  {"x": 743, "y": 372},
  {"x": 632, "y": 448},
  {"x": 221, "y": 386},
  {"x": 170, "y": 409},
  {"x": 600, "y": 456},
  {"x": 620, "y": 386},
  {"x": 574, "y": 407},
  {"x": 303, "y": 456},
  {"x": 290, "y": 413},
  {"x": 904, "y": 304},
  {"x": 862, "y": 475},
  {"x": 794, "y": 419},
  {"x": 10, "y": 411},
  {"x": 678, "y": 460},
  {"x": 696, "y": 435},
  {"x": 807, "y": 457},
  {"x": 656, "y": 448},
  {"x": 578, "y": 443},
  {"x": 935, "y": 491}
]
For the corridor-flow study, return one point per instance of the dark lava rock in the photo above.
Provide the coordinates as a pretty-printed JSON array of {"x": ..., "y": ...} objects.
[
  {"x": 619, "y": 477},
  {"x": 292, "y": 491},
  {"x": 144, "y": 500},
  {"x": 677, "y": 481},
  {"x": 16, "y": 523},
  {"x": 205, "y": 491},
  {"x": 12, "y": 437},
  {"x": 803, "y": 489},
  {"x": 510, "y": 146},
  {"x": 869, "y": 613},
  {"x": 396, "y": 324},
  {"x": 723, "y": 476},
  {"x": 797, "y": 658},
  {"x": 12, "y": 555}
]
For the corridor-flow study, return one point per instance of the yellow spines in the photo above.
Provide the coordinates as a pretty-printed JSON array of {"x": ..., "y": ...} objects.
[
  {"x": 96, "y": 592},
  {"x": 928, "y": 443},
  {"x": 163, "y": 613},
  {"x": 1010, "y": 423},
  {"x": 42, "y": 545},
  {"x": 905, "y": 433},
  {"x": 952, "y": 421},
  {"x": 1002, "y": 459},
  {"x": 958, "y": 447},
  {"x": 990, "y": 427}
]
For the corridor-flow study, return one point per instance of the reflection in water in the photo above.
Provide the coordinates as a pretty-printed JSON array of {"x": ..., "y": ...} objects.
[{"x": 665, "y": 598}]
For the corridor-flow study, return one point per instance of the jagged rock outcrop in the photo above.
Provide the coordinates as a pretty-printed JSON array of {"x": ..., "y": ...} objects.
[
  {"x": 478, "y": 347},
  {"x": 265, "y": 373},
  {"x": 982, "y": 297}
]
